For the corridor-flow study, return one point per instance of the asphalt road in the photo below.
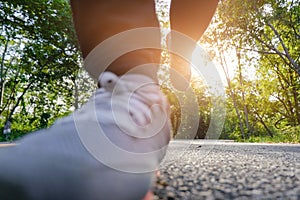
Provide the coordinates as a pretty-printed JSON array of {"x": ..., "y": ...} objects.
[{"x": 226, "y": 170}]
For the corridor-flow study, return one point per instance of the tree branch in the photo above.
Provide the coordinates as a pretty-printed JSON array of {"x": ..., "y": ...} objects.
[
  {"x": 19, "y": 100},
  {"x": 296, "y": 67},
  {"x": 1, "y": 71}
]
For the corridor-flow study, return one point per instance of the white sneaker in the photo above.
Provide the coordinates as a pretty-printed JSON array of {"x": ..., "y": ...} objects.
[{"x": 108, "y": 149}]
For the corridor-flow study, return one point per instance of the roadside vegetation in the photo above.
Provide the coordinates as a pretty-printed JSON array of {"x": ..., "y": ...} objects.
[{"x": 256, "y": 44}]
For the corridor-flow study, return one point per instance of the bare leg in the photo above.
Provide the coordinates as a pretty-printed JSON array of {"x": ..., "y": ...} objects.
[
  {"x": 97, "y": 20},
  {"x": 190, "y": 17}
]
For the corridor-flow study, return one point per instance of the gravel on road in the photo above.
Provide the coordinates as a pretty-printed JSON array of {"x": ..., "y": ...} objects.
[{"x": 220, "y": 170}]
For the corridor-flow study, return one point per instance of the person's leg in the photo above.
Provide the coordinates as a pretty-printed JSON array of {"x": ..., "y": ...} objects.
[
  {"x": 97, "y": 20},
  {"x": 57, "y": 163},
  {"x": 190, "y": 17}
]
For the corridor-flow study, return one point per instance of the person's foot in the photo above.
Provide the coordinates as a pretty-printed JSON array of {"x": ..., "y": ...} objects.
[
  {"x": 60, "y": 156},
  {"x": 149, "y": 195}
]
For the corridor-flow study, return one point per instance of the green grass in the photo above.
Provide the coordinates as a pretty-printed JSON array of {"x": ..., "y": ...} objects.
[
  {"x": 278, "y": 138},
  {"x": 14, "y": 135},
  {"x": 275, "y": 139}
]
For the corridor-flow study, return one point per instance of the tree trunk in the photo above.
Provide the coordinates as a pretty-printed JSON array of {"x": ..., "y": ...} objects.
[
  {"x": 232, "y": 95},
  {"x": 2, "y": 92},
  {"x": 270, "y": 133},
  {"x": 2, "y": 80},
  {"x": 237, "y": 112},
  {"x": 243, "y": 94},
  {"x": 76, "y": 94},
  {"x": 18, "y": 101},
  {"x": 296, "y": 103}
]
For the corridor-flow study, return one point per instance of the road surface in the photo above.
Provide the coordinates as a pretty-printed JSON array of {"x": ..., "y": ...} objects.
[{"x": 227, "y": 170}]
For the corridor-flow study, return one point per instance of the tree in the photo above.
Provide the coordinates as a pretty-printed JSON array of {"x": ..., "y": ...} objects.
[
  {"x": 265, "y": 35},
  {"x": 39, "y": 57},
  {"x": 270, "y": 27}
]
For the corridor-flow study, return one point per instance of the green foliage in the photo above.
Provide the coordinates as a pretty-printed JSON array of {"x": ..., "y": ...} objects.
[
  {"x": 188, "y": 106},
  {"x": 175, "y": 112},
  {"x": 39, "y": 64},
  {"x": 40, "y": 78},
  {"x": 265, "y": 36},
  {"x": 289, "y": 135}
]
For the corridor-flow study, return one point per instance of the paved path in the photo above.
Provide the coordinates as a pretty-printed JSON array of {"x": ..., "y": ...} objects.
[
  {"x": 226, "y": 170},
  {"x": 208, "y": 170}
]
